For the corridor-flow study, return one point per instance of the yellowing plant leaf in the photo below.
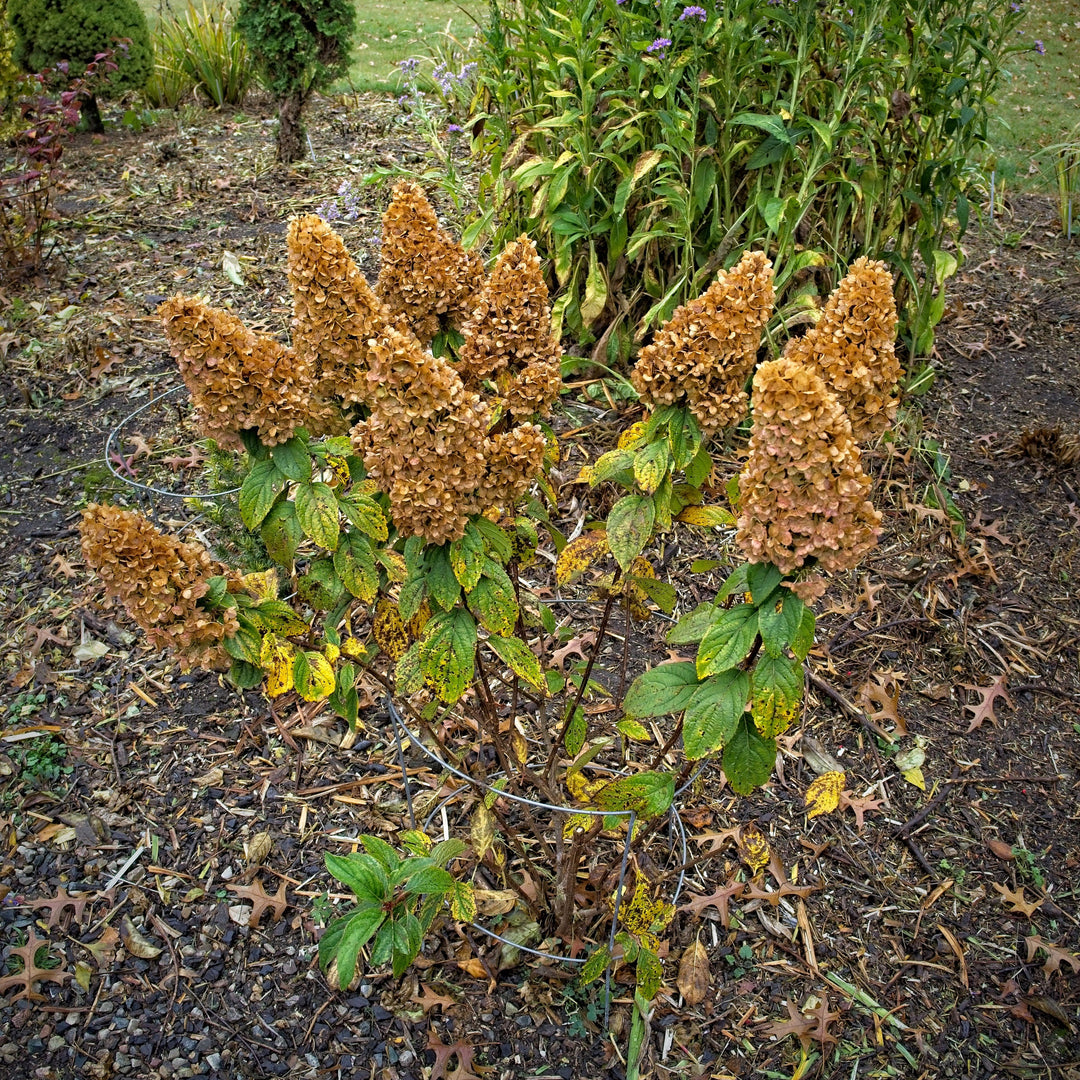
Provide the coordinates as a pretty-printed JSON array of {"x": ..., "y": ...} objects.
[
  {"x": 313, "y": 676},
  {"x": 339, "y": 470},
  {"x": 754, "y": 848},
  {"x": 482, "y": 831},
  {"x": 823, "y": 795},
  {"x": 579, "y": 555},
  {"x": 915, "y": 776},
  {"x": 706, "y": 517},
  {"x": 277, "y": 658},
  {"x": 633, "y": 435},
  {"x": 389, "y": 630},
  {"x": 263, "y": 586}
]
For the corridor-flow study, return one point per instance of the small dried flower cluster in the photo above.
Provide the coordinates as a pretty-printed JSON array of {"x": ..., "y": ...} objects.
[
  {"x": 159, "y": 580},
  {"x": 509, "y": 337},
  {"x": 803, "y": 492},
  {"x": 852, "y": 346},
  {"x": 335, "y": 312},
  {"x": 703, "y": 355},
  {"x": 237, "y": 379},
  {"x": 425, "y": 273}
]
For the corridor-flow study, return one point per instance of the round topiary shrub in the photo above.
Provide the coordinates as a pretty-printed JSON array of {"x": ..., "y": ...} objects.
[{"x": 50, "y": 31}]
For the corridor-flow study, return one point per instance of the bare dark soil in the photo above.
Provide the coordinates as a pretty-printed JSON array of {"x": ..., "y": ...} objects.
[{"x": 941, "y": 938}]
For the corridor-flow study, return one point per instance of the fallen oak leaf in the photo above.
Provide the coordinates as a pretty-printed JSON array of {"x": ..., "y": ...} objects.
[
  {"x": 988, "y": 698},
  {"x": 719, "y": 900},
  {"x": 1016, "y": 901},
  {"x": 261, "y": 901},
  {"x": 797, "y": 1025},
  {"x": 443, "y": 1053},
  {"x": 429, "y": 999},
  {"x": 31, "y": 973},
  {"x": 1055, "y": 955},
  {"x": 859, "y": 806},
  {"x": 820, "y": 1032}
]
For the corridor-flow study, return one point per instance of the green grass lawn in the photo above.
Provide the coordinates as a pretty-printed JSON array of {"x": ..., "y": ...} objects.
[{"x": 1039, "y": 105}]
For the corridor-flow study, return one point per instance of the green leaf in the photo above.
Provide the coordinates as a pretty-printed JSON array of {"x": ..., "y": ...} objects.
[
  {"x": 661, "y": 593},
  {"x": 293, "y": 458},
  {"x": 407, "y": 939},
  {"x": 281, "y": 533},
  {"x": 245, "y": 644},
  {"x": 366, "y": 514},
  {"x": 779, "y": 627},
  {"x": 447, "y": 653},
  {"x": 317, "y": 512},
  {"x": 494, "y": 600},
  {"x": 762, "y": 579},
  {"x": 694, "y": 625},
  {"x": 713, "y": 713},
  {"x": 610, "y": 465},
  {"x": 258, "y": 492},
  {"x": 728, "y": 640},
  {"x": 380, "y": 850},
  {"x": 313, "y": 676},
  {"x": 661, "y": 691},
  {"x": 775, "y": 693},
  {"x": 803, "y": 640},
  {"x": 629, "y": 528},
  {"x": 748, "y": 758},
  {"x": 596, "y": 965},
  {"x": 445, "y": 851},
  {"x": 631, "y": 729},
  {"x": 383, "y": 947},
  {"x": 576, "y": 730},
  {"x": 408, "y": 673},
  {"x": 466, "y": 557},
  {"x": 649, "y": 793},
  {"x": 651, "y": 464},
  {"x": 355, "y": 565},
  {"x": 362, "y": 873},
  {"x": 650, "y": 974},
  {"x": 697, "y": 472},
  {"x": 735, "y": 582},
  {"x": 345, "y": 945},
  {"x": 443, "y": 587},
  {"x": 320, "y": 587},
  {"x": 498, "y": 543},
  {"x": 686, "y": 438},
  {"x": 430, "y": 879},
  {"x": 245, "y": 676},
  {"x": 415, "y": 842},
  {"x": 513, "y": 652},
  {"x": 276, "y": 615}
]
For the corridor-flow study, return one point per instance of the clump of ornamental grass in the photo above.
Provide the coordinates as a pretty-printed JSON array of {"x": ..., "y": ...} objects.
[
  {"x": 160, "y": 581},
  {"x": 237, "y": 379},
  {"x": 426, "y": 275},
  {"x": 335, "y": 312},
  {"x": 803, "y": 495},
  {"x": 851, "y": 345},
  {"x": 508, "y": 338},
  {"x": 703, "y": 355}
]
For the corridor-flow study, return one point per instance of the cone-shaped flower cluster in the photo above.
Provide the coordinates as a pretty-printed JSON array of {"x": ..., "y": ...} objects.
[
  {"x": 803, "y": 493},
  {"x": 703, "y": 355},
  {"x": 159, "y": 580},
  {"x": 237, "y": 379},
  {"x": 425, "y": 273},
  {"x": 852, "y": 347},
  {"x": 335, "y": 312},
  {"x": 426, "y": 445},
  {"x": 509, "y": 337}
]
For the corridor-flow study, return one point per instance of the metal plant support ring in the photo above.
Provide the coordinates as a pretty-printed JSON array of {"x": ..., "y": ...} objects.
[
  {"x": 676, "y": 825},
  {"x": 149, "y": 488}
]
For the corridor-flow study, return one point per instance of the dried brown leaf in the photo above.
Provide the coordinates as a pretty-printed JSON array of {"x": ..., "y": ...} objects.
[{"x": 694, "y": 975}]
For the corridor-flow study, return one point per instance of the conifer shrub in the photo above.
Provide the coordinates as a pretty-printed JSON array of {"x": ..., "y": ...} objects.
[
  {"x": 76, "y": 32},
  {"x": 299, "y": 46}
]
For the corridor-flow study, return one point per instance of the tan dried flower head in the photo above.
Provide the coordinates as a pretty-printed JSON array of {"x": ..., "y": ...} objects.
[
  {"x": 159, "y": 580},
  {"x": 512, "y": 460},
  {"x": 335, "y": 312},
  {"x": 803, "y": 493},
  {"x": 509, "y": 337},
  {"x": 852, "y": 346},
  {"x": 703, "y": 355},
  {"x": 237, "y": 379},
  {"x": 425, "y": 273}
]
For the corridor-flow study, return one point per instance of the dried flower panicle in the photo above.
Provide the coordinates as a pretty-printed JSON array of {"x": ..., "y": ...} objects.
[
  {"x": 237, "y": 379},
  {"x": 508, "y": 337},
  {"x": 335, "y": 312},
  {"x": 852, "y": 346},
  {"x": 802, "y": 493},
  {"x": 703, "y": 355},
  {"x": 513, "y": 459},
  {"x": 425, "y": 273},
  {"x": 159, "y": 580}
]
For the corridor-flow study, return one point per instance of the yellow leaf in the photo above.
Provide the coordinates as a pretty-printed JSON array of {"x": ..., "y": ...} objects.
[
  {"x": 482, "y": 831},
  {"x": 575, "y": 822},
  {"x": 705, "y": 516},
  {"x": 419, "y": 621},
  {"x": 320, "y": 680},
  {"x": 332, "y": 651},
  {"x": 263, "y": 586},
  {"x": 276, "y": 659},
  {"x": 915, "y": 776},
  {"x": 339, "y": 469},
  {"x": 579, "y": 555},
  {"x": 754, "y": 848},
  {"x": 354, "y": 648},
  {"x": 823, "y": 795},
  {"x": 389, "y": 630},
  {"x": 585, "y": 476},
  {"x": 633, "y": 435},
  {"x": 580, "y": 788}
]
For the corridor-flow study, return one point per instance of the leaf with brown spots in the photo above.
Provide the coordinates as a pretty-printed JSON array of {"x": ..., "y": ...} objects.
[{"x": 989, "y": 696}]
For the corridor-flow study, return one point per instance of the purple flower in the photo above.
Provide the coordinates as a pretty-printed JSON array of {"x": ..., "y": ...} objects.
[
  {"x": 1040, "y": 48},
  {"x": 408, "y": 67},
  {"x": 620, "y": 1},
  {"x": 659, "y": 47},
  {"x": 455, "y": 128},
  {"x": 1014, "y": 7},
  {"x": 693, "y": 12}
]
